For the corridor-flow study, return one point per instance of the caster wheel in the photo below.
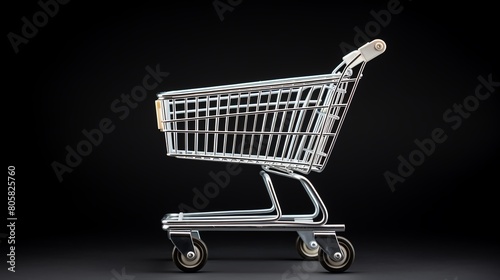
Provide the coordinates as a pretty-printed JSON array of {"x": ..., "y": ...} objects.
[
  {"x": 194, "y": 264},
  {"x": 342, "y": 264},
  {"x": 304, "y": 251}
]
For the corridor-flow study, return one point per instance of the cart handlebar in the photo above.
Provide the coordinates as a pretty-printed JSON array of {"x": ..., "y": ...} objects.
[{"x": 365, "y": 53}]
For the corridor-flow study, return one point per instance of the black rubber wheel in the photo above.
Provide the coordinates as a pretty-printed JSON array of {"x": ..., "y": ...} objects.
[
  {"x": 195, "y": 264},
  {"x": 304, "y": 251},
  {"x": 344, "y": 263}
]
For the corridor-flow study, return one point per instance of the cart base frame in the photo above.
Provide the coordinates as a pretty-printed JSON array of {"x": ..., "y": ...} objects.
[{"x": 316, "y": 239}]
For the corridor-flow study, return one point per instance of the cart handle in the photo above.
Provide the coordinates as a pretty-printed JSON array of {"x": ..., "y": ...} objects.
[{"x": 365, "y": 53}]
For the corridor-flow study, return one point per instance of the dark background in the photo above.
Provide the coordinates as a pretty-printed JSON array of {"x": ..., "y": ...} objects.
[{"x": 66, "y": 77}]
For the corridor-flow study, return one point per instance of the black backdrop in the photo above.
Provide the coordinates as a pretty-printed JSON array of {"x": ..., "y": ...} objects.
[{"x": 74, "y": 71}]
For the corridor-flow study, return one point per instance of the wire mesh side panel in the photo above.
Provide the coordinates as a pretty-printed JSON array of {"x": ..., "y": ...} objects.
[{"x": 285, "y": 127}]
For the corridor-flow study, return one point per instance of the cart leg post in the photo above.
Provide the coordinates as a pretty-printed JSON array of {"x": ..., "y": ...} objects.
[
  {"x": 306, "y": 245},
  {"x": 329, "y": 243},
  {"x": 190, "y": 254},
  {"x": 336, "y": 253},
  {"x": 195, "y": 234},
  {"x": 183, "y": 241},
  {"x": 308, "y": 238}
]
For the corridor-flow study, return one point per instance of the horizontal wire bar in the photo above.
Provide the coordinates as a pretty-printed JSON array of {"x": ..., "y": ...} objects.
[
  {"x": 305, "y": 133},
  {"x": 253, "y": 113},
  {"x": 308, "y": 81}
]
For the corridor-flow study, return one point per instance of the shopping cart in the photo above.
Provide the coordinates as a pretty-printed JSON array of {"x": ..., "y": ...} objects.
[{"x": 288, "y": 126}]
